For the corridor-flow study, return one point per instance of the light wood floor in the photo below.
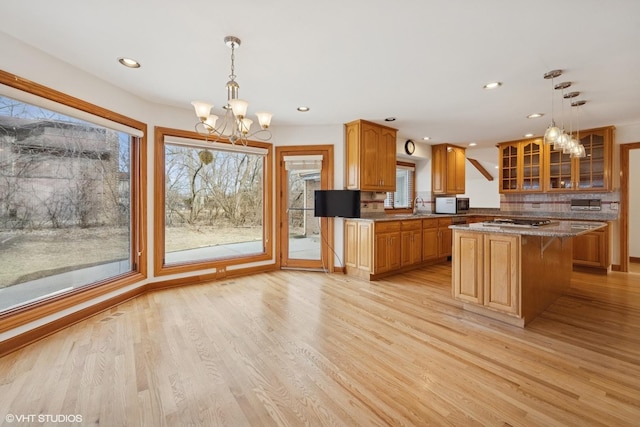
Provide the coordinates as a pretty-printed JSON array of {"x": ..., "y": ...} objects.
[{"x": 302, "y": 348}]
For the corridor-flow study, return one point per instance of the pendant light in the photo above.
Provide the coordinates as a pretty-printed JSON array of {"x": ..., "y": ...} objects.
[{"x": 552, "y": 133}]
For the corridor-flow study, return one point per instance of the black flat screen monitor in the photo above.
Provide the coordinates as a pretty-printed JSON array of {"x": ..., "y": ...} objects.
[{"x": 340, "y": 203}]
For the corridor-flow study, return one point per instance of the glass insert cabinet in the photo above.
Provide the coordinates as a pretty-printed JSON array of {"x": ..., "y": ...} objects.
[
  {"x": 529, "y": 166},
  {"x": 521, "y": 166}
]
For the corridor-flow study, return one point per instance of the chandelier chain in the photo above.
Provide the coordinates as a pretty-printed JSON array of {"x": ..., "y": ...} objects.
[{"x": 232, "y": 76}]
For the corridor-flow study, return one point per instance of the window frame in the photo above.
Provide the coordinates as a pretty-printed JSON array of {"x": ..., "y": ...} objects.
[
  {"x": 32, "y": 311},
  {"x": 220, "y": 264},
  {"x": 412, "y": 197}
]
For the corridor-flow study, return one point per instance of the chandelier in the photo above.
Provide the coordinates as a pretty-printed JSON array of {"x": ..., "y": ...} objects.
[
  {"x": 561, "y": 140},
  {"x": 235, "y": 126}
]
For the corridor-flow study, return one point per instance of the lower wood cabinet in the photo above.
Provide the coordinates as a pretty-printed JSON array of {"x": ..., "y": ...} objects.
[
  {"x": 486, "y": 270},
  {"x": 592, "y": 249},
  {"x": 358, "y": 254},
  {"x": 378, "y": 248},
  {"x": 411, "y": 240},
  {"x": 387, "y": 246},
  {"x": 436, "y": 238}
]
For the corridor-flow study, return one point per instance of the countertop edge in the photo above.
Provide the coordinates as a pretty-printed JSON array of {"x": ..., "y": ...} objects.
[{"x": 562, "y": 229}]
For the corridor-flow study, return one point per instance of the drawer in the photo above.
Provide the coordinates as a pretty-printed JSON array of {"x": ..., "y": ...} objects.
[
  {"x": 444, "y": 222},
  {"x": 414, "y": 224},
  {"x": 385, "y": 226},
  {"x": 430, "y": 223}
]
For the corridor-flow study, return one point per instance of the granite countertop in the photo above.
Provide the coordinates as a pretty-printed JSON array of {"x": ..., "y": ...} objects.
[
  {"x": 402, "y": 217},
  {"x": 555, "y": 229},
  {"x": 603, "y": 215},
  {"x": 561, "y": 216}
]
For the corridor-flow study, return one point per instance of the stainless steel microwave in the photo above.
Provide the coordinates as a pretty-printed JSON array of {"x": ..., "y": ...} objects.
[{"x": 451, "y": 205}]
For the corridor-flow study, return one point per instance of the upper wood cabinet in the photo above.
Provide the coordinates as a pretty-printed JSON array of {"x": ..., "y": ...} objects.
[
  {"x": 530, "y": 166},
  {"x": 370, "y": 156},
  {"x": 521, "y": 165},
  {"x": 447, "y": 169},
  {"x": 590, "y": 173}
]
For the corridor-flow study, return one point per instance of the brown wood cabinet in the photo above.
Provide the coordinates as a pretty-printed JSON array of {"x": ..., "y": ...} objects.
[
  {"x": 445, "y": 237},
  {"x": 521, "y": 164},
  {"x": 370, "y": 156},
  {"x": 436, "y": 238},
  {"x": 358, "y": 254},
  {"x": 375, "y": 249},
  {"x": 502, "y": 273},
  {"x": 411, "y": 236},
  {"x": 387, "y": 255},
  {"x": 487, "y": 270},
  {"x": 590, "y": 173},
  {"x": 430, "y": 239},
  {"x": 447, "y": 169},
  {"x": 468, "y": 277},
  {"x": 530, "y": 166},
  {"x": 592, "y": 249}
]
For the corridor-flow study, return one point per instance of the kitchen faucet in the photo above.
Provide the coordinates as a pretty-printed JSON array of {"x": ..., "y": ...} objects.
[{"x": 415, "y": 204}]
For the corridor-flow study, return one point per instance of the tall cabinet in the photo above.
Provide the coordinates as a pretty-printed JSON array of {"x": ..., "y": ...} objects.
[
  {"x": 447, "y": 169},
  {"x": 370, "y": 156},
  {"x": 521, "y": 166}
]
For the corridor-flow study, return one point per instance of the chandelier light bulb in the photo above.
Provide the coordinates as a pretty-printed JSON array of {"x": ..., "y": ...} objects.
[
  {"x": 203, "y": 109},
  {"x": 211, "y": 121},
  {"x": 245, "y": 125},
  {"x": 239, "y": 108},
  {"x": 264, "y": 119}
]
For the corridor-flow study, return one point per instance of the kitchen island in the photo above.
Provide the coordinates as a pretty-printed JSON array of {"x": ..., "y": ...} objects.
[{"x": 513, "y": 272}]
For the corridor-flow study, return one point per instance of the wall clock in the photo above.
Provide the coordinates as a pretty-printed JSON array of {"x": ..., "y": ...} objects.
[{"x": 409, "y": 147}]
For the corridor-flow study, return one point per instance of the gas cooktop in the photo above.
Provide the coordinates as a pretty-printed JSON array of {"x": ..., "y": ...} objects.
[{"x": 519, "y": 222}]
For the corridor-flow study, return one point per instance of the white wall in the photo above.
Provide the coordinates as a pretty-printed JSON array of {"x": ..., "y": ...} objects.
[{"x": 481, "y": 192}]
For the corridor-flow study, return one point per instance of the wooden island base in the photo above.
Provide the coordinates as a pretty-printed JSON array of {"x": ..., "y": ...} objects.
[{"x": 512, "y": 278}]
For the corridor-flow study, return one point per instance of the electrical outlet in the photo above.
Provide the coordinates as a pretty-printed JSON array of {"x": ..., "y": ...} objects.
[{"x": 613, "y": 206}]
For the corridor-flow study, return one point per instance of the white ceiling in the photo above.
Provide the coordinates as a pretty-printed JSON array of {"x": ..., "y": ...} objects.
[{"x": 422, "y": 61}]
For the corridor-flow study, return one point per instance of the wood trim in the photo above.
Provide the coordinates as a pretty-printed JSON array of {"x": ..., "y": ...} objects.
[
  {"x": 624, "y": 204},
  {"x": 209, "y": 277},
  {"x": 481, "y": 169},
  {"x": 634, "y": 259},
  {"x": 160, "y": 268},
  {"x": 33, "y": 335},
  {"x": 37, "y": 89},
  {"x": 30, "y": 312}
]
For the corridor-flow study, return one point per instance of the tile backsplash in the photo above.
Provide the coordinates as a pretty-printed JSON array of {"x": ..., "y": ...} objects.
[{"x": 556, "y": 203}]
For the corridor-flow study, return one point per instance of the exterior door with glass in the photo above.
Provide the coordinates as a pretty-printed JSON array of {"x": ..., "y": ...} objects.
[{"x": 304, "y": 238}]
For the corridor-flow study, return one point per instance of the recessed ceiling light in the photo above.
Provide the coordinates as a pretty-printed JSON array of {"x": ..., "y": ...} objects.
[
  {"x": 128, "y": 62},
  {"x": 535, "y": 115},
  {"x": 472, "y": 144},
  {"x": 492, "y": 85},
  {"x": 426, "y": 138},
  {"x": 528, "y": 135},
  {"x": 390, "y": 119},
  {"x": 303, "y": 109}
]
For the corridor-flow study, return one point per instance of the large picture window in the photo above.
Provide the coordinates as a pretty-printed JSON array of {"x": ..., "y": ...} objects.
[
  {"x": 66, "y": 204},
  {"x": 215, "y": 203}
]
